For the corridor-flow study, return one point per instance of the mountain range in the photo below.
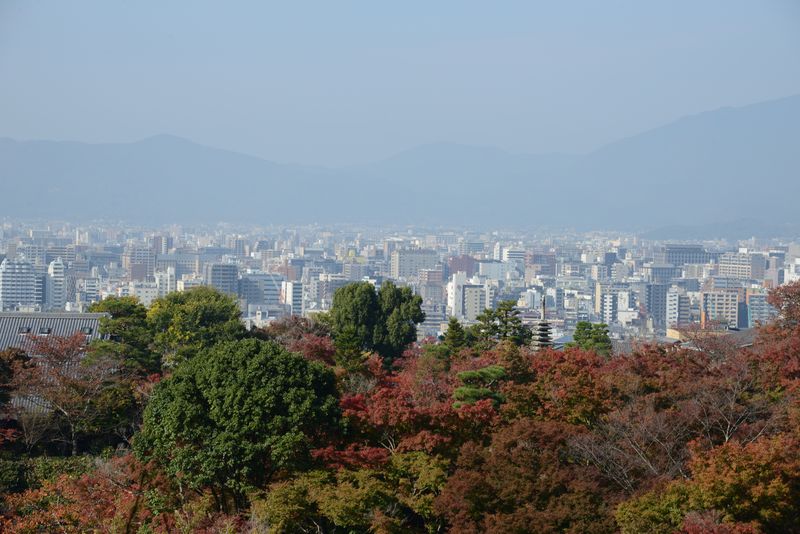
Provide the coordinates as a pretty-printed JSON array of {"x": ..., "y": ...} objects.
[{"x": 728, "y": 164}]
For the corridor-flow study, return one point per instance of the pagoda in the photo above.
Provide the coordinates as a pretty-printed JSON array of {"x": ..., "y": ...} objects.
[{"x": 542, "y": 331}]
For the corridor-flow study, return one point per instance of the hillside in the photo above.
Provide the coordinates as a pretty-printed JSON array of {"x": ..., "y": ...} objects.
[{"x": 726, "y": 164}]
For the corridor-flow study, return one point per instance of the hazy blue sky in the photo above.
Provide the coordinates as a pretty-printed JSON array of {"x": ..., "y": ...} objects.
[{"x": 338, "y": 81}]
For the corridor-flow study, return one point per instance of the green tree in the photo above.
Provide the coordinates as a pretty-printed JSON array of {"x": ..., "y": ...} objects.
[
  {"x": 349, "y": 354},
  {"x": 479, "y": 384},
  {"x": 455, "y": 338},
  {"x": 186, "y": 322},
  {"x": 355, "y": 310},
  {"x": 126, "y": 334},
  {"x": 400, "y": 312},
  {"x": 383, "y": 320},
  {"x": 593, "y": 337},
  {"x": 503, "y": 324},
  {"x": 236, "y": 414},
  {"x": 659, "y": 512}
]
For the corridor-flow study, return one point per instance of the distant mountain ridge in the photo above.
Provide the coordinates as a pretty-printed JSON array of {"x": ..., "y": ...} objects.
[{"x": 727, "y": 164}]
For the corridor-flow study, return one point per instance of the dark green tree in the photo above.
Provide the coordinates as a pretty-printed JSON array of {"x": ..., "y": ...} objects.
[
  {"x": 355, "y": 310},
  {"x": 479, "y": 384},
  {"x": 384, "y": 320},
  {"x": 126, "y": 334},
  {"x": 455, "y": 338},
  {"x": 187, "y": 322},
  {"x": 349, "y": 354},
  {"x": 503, "y": 324},
  {"x": 592, "y": 337},
  {"x": 236, "y": 414},
  {"x": 400, "y": 312}
]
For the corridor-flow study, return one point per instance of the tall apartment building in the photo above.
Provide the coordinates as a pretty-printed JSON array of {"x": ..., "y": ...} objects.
[
  {"x": 56, "y": 285},
  {"x": 656, "y": 301},
  {"x": 166, "y": 281},
  {"x": 719, "y": 306},
  {"x": 467, "y": 298},
  {"x": 356, "y": 271},
  {"x": 742, "y": 266},
  {"x": 222, "y": 276},
  {"x": 678, "y": 307},
  {"x": 292, "y": 296},
  {"x": 322, "y": 288},
  {"x": 407, "y": 263},
  {"x": 145, "y": 292},
  {"x": 431, "y": 276},
  {"x": 759, "y": 311},
  {"x": 161, "y": 244},
  {"x": 17, "y": 284},
  {"x": 514, "y": 256},
  {"x": 661, "y": 273},
  {"x": 139, "y": 261},
  {"x": 609, "y": 307}
]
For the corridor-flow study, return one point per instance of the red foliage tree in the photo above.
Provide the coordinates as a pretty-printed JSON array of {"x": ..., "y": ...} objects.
[{"x": 524, "y": 480}]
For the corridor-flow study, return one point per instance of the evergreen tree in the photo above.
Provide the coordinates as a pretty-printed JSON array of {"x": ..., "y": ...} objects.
[
  {"x": 455, "y": 338},
  {"x": 593, "y": 337},
  {"x": 384, "y": 320},
  {"x": 503, "y": 324}
]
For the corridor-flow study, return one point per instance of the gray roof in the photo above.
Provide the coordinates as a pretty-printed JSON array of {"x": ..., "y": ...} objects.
[{"x": 16, "y": 327}]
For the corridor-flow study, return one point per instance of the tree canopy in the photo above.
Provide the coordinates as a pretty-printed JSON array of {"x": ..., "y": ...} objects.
[
  {"x": 502, "y": 324},
  {"x": 184, "y": 323},
  {"x": 283, "y": 431},
  {"x": 589, "y": 336},
  {"x": 384, "y": 320},
  {"x": 126, "y": 333},
  {"x": 237, "y": 413}
]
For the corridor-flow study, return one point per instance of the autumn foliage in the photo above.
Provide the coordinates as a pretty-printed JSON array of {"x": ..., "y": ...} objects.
[{"x": 471, "y": 438}]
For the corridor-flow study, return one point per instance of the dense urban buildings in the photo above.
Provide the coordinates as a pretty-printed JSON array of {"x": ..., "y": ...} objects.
[{"x": 642, "y": 289}]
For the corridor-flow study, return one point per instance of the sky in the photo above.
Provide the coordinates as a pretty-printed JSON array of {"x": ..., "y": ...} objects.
[{"x": 345, "y": 82}]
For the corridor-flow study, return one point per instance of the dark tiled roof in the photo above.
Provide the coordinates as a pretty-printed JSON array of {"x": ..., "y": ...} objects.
[{"x": 16, "y": 328}]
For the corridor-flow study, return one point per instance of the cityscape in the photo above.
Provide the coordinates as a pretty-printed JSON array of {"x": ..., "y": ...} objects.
[
  {"x": 642, "y": 289},
  {"x": 514, "y": 267}
]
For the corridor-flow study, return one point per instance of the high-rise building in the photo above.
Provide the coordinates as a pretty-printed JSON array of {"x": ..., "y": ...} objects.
[
  {"x": 139, "y": 261},
  {"x": 514, "y": 256},
  {"x": 166, "y": 281},
  {"x": 292, "y": 296},
  {"x": 609, "y": 307},
  {"x": 719, "y": 307},
  {"x": 759, "y": 311},
  {"x": 56, "y": 285},
  {"x": 17, "y": 284},
  {"x": 742, "y": 266},
  {"x": 678, "y": 308},
  {"x": 223, "y": 276},
  {"x": 656, "y": 302},
  {"x": 473, "y": 299},
  {"x": 406, "y": 263},
  {"x": 145, "y": 292}
]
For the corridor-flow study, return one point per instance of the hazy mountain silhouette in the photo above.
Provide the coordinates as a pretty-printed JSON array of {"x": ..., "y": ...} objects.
[{"x": 727, "y": 164}]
